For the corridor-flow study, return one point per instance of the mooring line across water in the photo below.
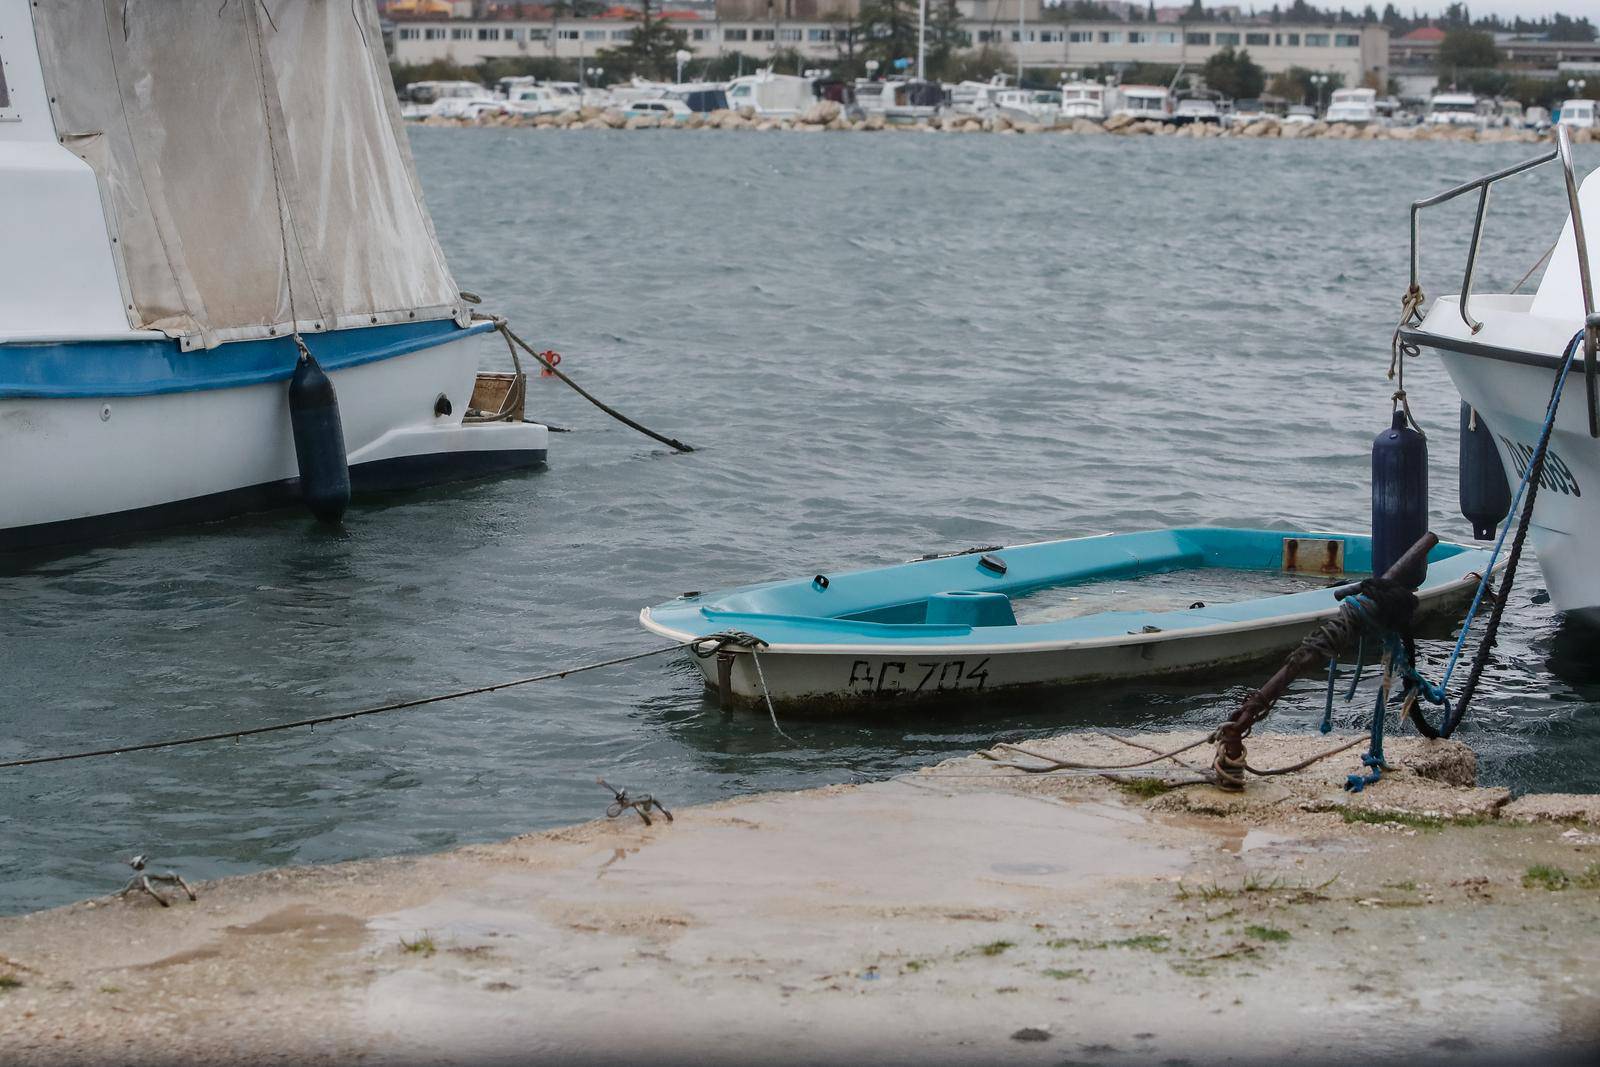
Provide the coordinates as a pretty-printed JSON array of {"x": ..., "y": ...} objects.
[{"x": 399, "y": 705}]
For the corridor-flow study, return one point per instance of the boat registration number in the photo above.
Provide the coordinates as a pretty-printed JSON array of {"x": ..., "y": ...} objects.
[
  {"x": 1556, "y": 475},
  {"x": 912, "y": 676}
]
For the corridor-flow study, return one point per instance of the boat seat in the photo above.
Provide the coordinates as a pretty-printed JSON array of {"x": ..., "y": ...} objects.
[{"x": 966, "y": 608}]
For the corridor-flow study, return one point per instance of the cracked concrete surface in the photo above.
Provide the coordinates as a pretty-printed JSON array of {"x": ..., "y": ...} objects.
[{"x": 966, "y": 914}]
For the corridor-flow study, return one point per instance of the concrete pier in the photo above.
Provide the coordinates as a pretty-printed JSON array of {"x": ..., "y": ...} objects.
[{"x": 969, "y": 913}]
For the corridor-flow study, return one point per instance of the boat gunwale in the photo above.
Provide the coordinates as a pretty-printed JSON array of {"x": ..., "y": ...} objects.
[
  {"x": 1499, "y": 353},
  {"x": 94, "y": 368},
  {"x": 910, "y": 646}
]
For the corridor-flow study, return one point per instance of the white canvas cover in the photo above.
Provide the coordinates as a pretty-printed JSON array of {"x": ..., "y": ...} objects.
[{"x": 183, "y": 108}]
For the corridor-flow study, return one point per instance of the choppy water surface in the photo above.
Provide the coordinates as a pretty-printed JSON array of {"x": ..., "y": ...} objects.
[{"x": 883, "y": 346}]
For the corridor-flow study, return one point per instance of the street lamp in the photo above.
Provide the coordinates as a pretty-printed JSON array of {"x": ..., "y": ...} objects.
[
  {"x": 594, "y": 74},
  {"x": 1575, "y": 85},
  {"x": 1319, "y": 80},
  {"x": 683, "y": 56},
  {"x": 872, "y": 70}
]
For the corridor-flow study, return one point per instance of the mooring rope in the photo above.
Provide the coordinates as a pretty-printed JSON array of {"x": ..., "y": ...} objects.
[
  {"x": 318, "y": 720},
  {"x": 1049, "y": 764},
  {"x": 1537, "y": 264},
  {"x": 1531, "y": 476},
  {"x": 513, "y": 342},
  {"x": 709, "y": 645}
]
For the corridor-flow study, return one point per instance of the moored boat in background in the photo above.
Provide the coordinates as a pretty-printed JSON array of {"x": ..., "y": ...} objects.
[
  {"x": 180, "y": 249},
  {"x": 1151, "y": 102},
  {"x": 1083, "y": 100},
  {"x": 1356, "y": 106}
]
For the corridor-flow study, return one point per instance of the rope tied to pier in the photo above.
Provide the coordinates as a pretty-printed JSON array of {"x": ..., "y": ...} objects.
[
  {"x": 641, "y": 804},
  {"x": 711, "y": 644},
  {"x": 319, "y": 720},
  {"x": 548, "y": 361},
  {"x": 1532, "y": 477}
]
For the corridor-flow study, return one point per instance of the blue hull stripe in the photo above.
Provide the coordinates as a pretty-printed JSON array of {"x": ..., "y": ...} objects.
[{"x": 62, "y": 370}]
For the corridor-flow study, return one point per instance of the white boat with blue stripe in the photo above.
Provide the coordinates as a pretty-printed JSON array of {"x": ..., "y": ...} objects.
[
  {"x": 999, "y": 619},
  {"x": 185, "y": 202}
]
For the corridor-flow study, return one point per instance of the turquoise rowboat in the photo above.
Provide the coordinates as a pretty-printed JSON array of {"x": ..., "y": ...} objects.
[{"x": 1089, "y": 609}]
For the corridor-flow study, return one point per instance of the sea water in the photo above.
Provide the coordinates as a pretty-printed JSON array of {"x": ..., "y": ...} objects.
[{"x": 882, "y": 346}]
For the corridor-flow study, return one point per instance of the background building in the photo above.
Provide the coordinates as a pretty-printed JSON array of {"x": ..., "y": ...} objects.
[{"x": 1354, "y": 51}]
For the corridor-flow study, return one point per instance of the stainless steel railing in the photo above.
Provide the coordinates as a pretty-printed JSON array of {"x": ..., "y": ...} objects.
[{"x": 1562, "y": 152}]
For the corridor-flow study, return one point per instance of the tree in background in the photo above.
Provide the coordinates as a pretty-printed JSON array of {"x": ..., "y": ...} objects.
[
  {"x": 947, "y": 37},
  {"x": 846, "y": 41},
  {"x": 888, "y": 31},
  {"x": 1294, "y": 85},
  {"x": 1132, "y": 73},
  {"x": 723, "y": 67},
  {"x": 1563, "y": 28},
  {"x": 1234, "y": 74},
  {"x": 575, "y": 9},
  {"x": 979, "y": 66},
  {"x": 652, "y": 50},
  {"x": 1472, "y": 49}
]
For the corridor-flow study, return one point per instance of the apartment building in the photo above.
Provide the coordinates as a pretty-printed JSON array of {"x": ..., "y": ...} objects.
[{"x": 1353, "y": 51}]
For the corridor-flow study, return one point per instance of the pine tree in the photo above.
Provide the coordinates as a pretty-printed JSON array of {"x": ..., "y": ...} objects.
[{"x": 652, "y": 50}]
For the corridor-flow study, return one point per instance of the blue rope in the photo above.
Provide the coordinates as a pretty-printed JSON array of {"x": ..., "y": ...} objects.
[
  {"x": 1374, "y": 760},
  {"x": 1361, "y": 662}
]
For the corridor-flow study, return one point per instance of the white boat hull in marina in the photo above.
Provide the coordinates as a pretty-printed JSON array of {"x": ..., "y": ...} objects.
[
  {"x": 1511, "y": 398},
  {"x": 83, "y": 467},
  {"x": 1505, "y": 361},
  {"x": 155, "y": 273}
]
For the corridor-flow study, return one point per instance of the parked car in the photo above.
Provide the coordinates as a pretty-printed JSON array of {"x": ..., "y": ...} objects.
[{"x": 667, "y": 110}]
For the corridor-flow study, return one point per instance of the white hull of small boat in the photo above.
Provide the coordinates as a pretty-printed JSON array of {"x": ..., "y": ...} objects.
[
  {"x": 839, "y": 661},
  {"x": 1510, "y": 398},
  {"x": 1505, "y": 369}
]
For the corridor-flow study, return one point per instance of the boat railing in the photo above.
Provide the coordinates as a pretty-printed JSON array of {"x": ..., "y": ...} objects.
[{"x": 1482, "y": 185}]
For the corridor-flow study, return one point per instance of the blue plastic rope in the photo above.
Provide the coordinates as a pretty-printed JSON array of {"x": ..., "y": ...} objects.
[
  {"x": 1361, "y": 662},
  {"x": 1355, "y": 783}
]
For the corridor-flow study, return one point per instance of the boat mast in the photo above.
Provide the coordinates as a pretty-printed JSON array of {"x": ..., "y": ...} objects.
[
  {"x": 922, "y": 38},
  {"x": 1020, "y": 42}
]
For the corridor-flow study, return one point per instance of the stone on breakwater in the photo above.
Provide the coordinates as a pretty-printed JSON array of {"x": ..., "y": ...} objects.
[
  {"x": 590, "y": 118},
  {"x": 821, "y": 113}
]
